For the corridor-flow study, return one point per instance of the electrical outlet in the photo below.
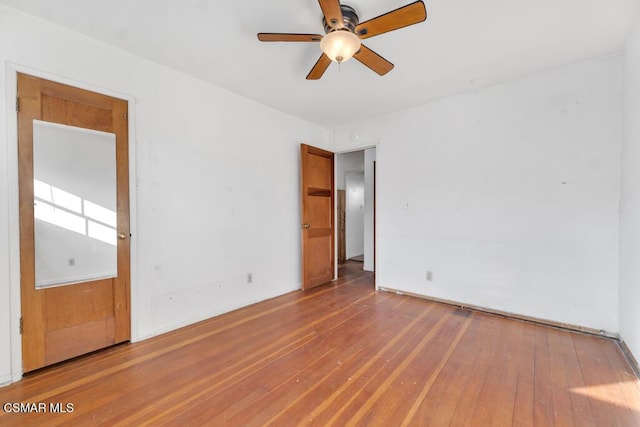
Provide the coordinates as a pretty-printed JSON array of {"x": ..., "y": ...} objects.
[
  {"x": 71, "y": 262},
  {"x": 429, "y": 276},
  {"x": 249, "y": 278}
]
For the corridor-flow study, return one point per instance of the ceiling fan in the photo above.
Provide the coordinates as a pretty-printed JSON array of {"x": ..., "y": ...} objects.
[{"x": 344, "y": 32}]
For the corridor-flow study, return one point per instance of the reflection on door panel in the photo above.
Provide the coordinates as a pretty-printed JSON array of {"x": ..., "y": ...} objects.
[{"x": 74, "y": 204}]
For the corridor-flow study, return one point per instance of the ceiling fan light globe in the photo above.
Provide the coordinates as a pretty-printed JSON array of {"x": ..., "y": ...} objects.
[{"x": 340, "y": 45}]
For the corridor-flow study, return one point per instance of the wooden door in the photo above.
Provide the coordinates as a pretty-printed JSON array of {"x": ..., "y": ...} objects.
[
  {"x": 317, "y": 216},
  {"x": 65, "y": 320}
]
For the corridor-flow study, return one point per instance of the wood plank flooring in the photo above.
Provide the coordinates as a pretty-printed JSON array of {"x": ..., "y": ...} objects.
[{"x": 342, "y": 355}]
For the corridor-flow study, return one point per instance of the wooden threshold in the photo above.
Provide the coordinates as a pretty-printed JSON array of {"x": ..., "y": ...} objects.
[{"x": 342, "y": 354}]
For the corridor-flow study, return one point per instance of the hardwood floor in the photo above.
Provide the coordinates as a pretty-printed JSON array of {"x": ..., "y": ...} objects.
[{"x": 343, "y": 355}]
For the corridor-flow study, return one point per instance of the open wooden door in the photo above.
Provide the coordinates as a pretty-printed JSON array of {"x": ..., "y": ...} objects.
[
  {"x": 74, "y": 221},
  {"x": 317, "y": 216}
]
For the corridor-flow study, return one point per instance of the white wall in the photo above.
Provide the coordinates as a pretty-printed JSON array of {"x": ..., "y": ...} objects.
[
  {"x": 354, "y": 213},
  {"x": 509, "y": 195},
  {"x": 347, "y": 162},
  {"x": 630, "y": 199},
  {"x": 207, "y": 164}
]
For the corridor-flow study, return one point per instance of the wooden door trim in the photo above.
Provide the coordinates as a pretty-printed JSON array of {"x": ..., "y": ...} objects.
[
  {"x": 341, "y": 220},
  {"x": 13, "y": 305}
]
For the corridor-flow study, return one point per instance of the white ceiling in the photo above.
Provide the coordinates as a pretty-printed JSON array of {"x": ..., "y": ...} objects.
[{"x": 463, "y": 45}]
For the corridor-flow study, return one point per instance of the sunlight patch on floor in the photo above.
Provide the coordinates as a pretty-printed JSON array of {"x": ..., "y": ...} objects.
[{"x": 614, "y": 393}]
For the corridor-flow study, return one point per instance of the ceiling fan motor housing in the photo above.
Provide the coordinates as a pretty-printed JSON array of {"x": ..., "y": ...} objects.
[{"x": 349, "y": 17}]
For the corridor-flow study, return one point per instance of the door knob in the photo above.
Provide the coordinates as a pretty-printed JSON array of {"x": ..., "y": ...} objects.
[
  {"x": 122, "y": 236},
  {"x": 305, "y": 226}
]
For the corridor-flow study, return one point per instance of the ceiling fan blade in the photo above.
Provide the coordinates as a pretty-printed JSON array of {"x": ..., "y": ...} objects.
[
  {"x": 332, "y": 12},
  {"x": 288, "y": 37},
  {"x": 318, "y": 70},
  {"x": 372, "y": 60},
  {"x": 403, "y": 17}
]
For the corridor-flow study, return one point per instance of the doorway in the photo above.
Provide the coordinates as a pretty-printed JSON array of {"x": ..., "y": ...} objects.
[
  {"x": 74, "y": 221},
  {"x": 355, "y": 184}
]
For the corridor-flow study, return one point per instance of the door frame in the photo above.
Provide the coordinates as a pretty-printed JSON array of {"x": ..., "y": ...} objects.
[
  {"x": 11, "y": 85},
  {"x": 375, "y": 213}
]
